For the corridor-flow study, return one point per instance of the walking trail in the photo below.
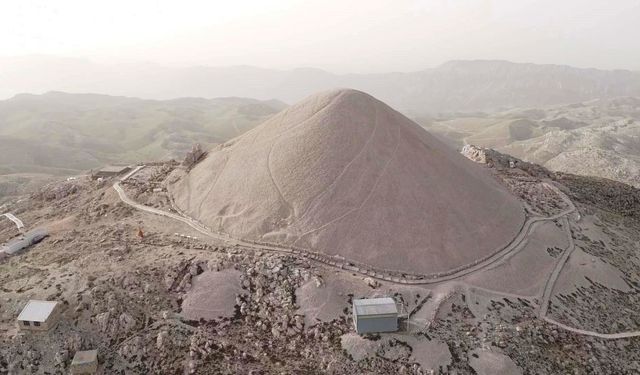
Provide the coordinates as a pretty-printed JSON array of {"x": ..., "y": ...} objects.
[{"x": 522, "y": 235}]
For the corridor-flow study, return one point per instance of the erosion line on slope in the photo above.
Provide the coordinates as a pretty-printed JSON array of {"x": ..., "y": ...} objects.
[
  {"x": 302, "y": 122},
  {"x": 269, "y": 169},
  {"x": 366, "y": 198},
  {"x": 204, "y": 198},
  {"x": 312, "y": 116},
  {"x": 273, "y": 181},
  {"x": 375, "y": 185},
  {"x": 188, "y": 187},
  {"x": 360, "y": 152}
]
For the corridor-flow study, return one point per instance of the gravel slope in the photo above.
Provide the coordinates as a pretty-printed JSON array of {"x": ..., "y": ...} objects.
[{"x": 344, "y": 174}]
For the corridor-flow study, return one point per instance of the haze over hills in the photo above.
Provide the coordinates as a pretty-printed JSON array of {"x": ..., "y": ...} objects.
[
  {"x": 598, "y": 138},
  {"x": 60, "y": 134},
  {"x": 81, "y": 131},
  {"x": 344, "y": 174},
  {"x": 64, "y": 134},
  {"x": 456, "y": 86},
  {"x": 522, "y": 109},
  {"x": 156, "y": 291},
  {"x": 296, "y": 187}
]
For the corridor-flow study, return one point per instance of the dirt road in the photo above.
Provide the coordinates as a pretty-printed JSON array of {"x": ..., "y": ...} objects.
[{"x": 522, "y": 235}]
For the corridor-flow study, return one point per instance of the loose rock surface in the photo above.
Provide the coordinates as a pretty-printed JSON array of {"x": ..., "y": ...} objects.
[{"x": 344, "y": 174}]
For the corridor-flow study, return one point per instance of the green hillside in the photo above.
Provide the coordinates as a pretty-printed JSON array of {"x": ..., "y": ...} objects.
[{"x": 59, "y": 134}]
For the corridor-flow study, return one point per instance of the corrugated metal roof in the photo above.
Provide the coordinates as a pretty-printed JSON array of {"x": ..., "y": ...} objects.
[
  {"x": 27, "y": 240},
  {"x": 14, "y": 246},
  {"x": 37, "y": 311},
  {"x": 375, "y": 306}
]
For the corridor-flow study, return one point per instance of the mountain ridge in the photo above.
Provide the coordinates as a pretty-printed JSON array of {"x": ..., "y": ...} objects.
[{"x": 455, "y": 86}]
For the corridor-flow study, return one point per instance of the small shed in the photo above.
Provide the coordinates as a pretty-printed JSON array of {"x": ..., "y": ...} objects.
[
  {"x": 28, "y": 239},
  {"x": 372, "y": 315},
  {"x": 39, "y": 315},
  {"x": 85, "y": 362},
  {"x": 110, "y": 171}
]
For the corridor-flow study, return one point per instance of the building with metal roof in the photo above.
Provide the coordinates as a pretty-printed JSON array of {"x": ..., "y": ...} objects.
[
  {"x": 39, "y": 315},
  {"x": 30, "y": 238},
  {"x": 373, "y": 315}
]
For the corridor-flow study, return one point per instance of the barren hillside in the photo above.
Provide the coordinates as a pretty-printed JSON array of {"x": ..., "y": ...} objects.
[
  {"x": 597, "y": 137},
  {"x": 344, "y": 174}
]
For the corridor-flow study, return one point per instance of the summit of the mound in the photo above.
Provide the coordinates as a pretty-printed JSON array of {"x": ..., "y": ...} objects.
[
  {"x": 342, "y": 96},
  {"x": 344, "y": 174}
]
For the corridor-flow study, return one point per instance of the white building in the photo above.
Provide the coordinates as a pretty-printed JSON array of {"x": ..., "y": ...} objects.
[
  {"x": 39, "y": 315},
  {"x": 372, "y": 315}
]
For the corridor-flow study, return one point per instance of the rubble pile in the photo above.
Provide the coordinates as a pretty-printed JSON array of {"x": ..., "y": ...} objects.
[
  {"x": 148, "y": 185},
  {"x": 503, "y": 162},
  {"x": 57, "y": 191},
  {"x": 525, "y": 180}
]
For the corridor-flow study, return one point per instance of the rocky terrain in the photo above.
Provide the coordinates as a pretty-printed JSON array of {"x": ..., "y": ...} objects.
[
  {"x": 132, "y": 274},
  {"x": 50, "y": 137},
  {"x": 596, "y": 138}
]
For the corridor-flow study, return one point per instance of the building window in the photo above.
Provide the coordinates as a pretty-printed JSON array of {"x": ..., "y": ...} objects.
[
  {"x": 37, "y": 324},
  {"x": 26, "y": 323}
]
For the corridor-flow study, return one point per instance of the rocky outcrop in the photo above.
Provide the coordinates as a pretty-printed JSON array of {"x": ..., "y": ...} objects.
[
  {"x": 194, "y": 156},
  {"x": 493, "y": 158},
  {"x": 57, "y": 191}
]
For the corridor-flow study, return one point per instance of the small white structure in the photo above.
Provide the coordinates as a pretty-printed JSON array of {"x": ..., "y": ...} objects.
[
  {"x": 85, "y": 362},
  {"x": 39, "y": 315},
  {"x": 373, "y": 315}
]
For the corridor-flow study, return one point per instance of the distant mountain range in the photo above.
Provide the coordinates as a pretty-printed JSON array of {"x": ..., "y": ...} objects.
[
  {"x": 579, "y": 120},
  {"x": 456, "y": 86},
  {"x": 598, "y": 138}
]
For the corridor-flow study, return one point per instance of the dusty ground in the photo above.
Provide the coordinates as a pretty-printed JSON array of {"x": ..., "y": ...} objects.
[{"x": 124, "y": 294}]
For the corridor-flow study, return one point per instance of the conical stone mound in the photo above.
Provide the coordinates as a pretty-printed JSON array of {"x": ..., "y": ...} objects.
[{"x": 344, "y": 174}]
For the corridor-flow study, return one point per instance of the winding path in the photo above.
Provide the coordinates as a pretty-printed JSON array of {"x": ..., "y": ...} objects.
[
  {"x": 526, "y": 229},
  {"x": 553, "y": 278},
  {"x": 13, "y": 218},
  {"x": 377, "y": 275}
]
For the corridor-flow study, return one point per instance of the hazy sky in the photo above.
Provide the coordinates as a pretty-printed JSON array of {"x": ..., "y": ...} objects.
[{"x": 338, "y": 35}]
